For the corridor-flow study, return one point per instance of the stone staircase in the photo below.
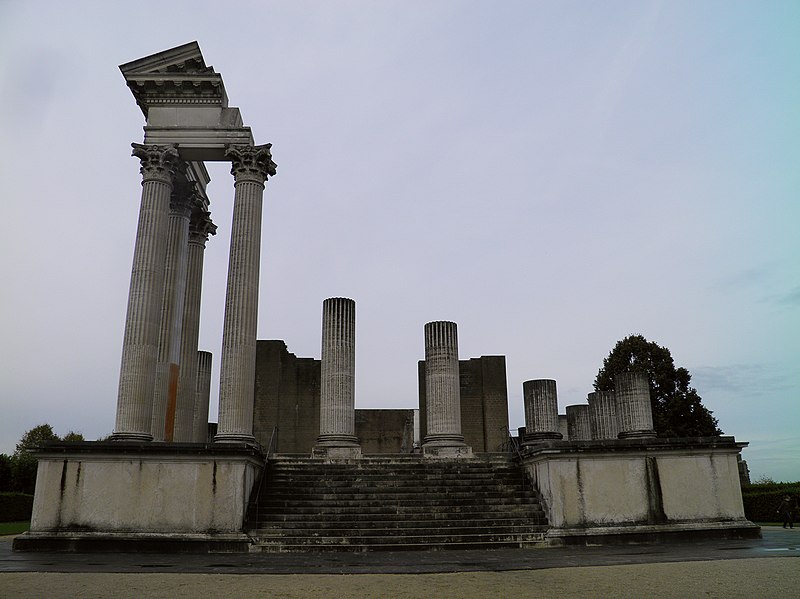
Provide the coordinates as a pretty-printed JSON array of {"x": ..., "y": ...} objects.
[{"x": 394, "y": 503}]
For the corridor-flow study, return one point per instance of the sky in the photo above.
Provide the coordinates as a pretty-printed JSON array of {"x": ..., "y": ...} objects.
[{"x": 553, "y": 176}]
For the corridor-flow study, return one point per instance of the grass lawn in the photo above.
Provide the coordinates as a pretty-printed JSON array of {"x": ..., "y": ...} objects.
[{"x": 13, "y": 528}]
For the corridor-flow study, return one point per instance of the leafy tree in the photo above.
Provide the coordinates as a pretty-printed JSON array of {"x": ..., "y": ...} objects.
[
  {"x": 677, "y": 408},
  {"x": 6, "y": 473},
  {"x": 43, "y": 432},
  {"x": 23, "y": 462}
]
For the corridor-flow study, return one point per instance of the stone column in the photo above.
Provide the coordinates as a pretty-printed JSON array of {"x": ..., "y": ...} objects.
[
  {"x": 442, "y": 390},
  {"x": 337, "y": 379},
  {"x": 634, "y": 412},
  {"x": 562, "y": 426},
  {"x": 541, "y": 410},
  {"x": 172, "y": 303},
  {"x": 201, "y": 397},
  {"x": 140, "y": 342},
  {"x": 252, "y": 165},
  {"x": 578, "y": 427},
  {"x": 200, "y": 227},
  {"x": 603, "y": 415}
]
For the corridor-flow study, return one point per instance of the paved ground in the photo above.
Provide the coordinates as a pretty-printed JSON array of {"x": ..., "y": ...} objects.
[
  {"x": 769, "y": 567},
  {"x": 777, "y": 542}
]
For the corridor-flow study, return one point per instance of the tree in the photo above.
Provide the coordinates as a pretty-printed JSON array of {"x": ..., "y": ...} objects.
[
  {"x": 43, "y": 432},
  {"x": 677, "y": 408},
  {"x": 23, "y": 462}
]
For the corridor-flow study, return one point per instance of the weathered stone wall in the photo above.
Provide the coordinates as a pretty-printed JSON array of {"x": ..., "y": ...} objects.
[
  {"x": 152, "y": 489},
  {"x": 484, "y": 402},
  {"x": 287, "y": 391},
  {"x": 385, "y": 431},
  {"x": 632, "y": 486}
]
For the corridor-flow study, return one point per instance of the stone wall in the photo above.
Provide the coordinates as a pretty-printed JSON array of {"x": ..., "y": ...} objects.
[
  {"x": 145, "y": 495},
  {"x": 287, "y": 391},
  {"x": 484, "y": 402},
  {"x": 385, "y": 431},
  {"x": 639, "y": 487}
]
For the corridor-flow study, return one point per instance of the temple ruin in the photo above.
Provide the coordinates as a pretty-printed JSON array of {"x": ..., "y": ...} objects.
[{"x": 292, "y": 464}]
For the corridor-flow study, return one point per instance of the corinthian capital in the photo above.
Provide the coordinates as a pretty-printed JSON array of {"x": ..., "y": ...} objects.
[
  {"x": 251, "y": 163},
  {"x": 183, "y": 198},
  {"x": 201, "y": 226},
  {"x": 158, "y": 162}
]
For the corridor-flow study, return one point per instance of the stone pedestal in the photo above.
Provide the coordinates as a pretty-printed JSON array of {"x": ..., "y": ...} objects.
[
  {"x": 252, "y": 165},
  {"x": 578, "y": 427},
  {"x": 442, "y": 390},
  {"x": 603, "y": 415},
  {"x": 200, "y": 227},
  {"x": 337, "y": 380},
  {"x": 541, "y": 410},
  {"x": 634, "y": 411},
  {"x": 140, "y": 342},
  {"x": 201, "y": 398}
]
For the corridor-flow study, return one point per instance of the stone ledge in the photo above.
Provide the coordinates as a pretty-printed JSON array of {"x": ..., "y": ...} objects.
[
  {"x": 654, "y": 533},
  {"x": 140, "y": 448},
  {"x": 649, "y": 445},
  {"x": 131, "y": 542}
]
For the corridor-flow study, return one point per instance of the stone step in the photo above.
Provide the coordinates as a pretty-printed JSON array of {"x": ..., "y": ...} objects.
[
  {"x": 293, "y": 522},
  {"x": 270, "y": 533},
  {"x": 390, "y": 503},
  {"x": 395, "y": 543},
  {"x": 395, "y": 494},
  {"x": 519, "y": 510},
  {"x": 443, "y": 501}
]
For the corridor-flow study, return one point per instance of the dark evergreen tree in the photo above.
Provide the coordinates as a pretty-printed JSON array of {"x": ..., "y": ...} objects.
[{"x": 677, "y": 408}]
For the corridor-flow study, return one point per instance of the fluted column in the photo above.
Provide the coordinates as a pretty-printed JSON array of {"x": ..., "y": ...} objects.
[
  {"x": 202, "y": 395},
  {"x": 578, "y": 427},
  {"x": 200, "y": 227},
  {"x": 634, "y": 412},
  {"x": 337, "y": 380},
  {"x": 140, "y": 342},
  {"x": 603, "y": 415},
  {"x": 169, "y": 338},
  {"x": 541, "y": 410},
  {"x": 252, "y": 165},
  {"x": 442, "y": 388}
]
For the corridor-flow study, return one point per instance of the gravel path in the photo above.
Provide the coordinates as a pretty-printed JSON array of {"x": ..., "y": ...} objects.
[{"x": 763, "y": 577}]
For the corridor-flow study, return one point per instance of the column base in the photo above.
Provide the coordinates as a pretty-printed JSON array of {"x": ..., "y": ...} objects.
[
  {"x": 336, "y": 453},
  {"x": 333, "y": 440},
  {"x": 531, "y": 438},
  {"x": 434, "y": 451},
  {"x": 234, "y": 438},
  {"x": 637, "y": 435},
  {"x": 145, "y": 437}
]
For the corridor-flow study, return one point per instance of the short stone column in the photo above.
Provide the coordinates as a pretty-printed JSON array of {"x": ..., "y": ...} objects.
[
  {"x": 541, "y": 410},
  {"x": 200, "y": 227},
  {"x": 337, "y": 380},
  {"x": 603, "y": 415},
  {"x": 442, "y": 391},
  {"x": 140, "y": 342},
  {"x": 172, "y": 304},
  {"x": 252, "y": 165},
  {"x": 578, "y": 427},
  {"x": 201, "y": 398},
  {"x": 634, "y": 412}
]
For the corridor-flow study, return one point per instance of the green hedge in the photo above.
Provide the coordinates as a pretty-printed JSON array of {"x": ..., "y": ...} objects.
[
  {"x": 761, "y": 501},
  {"x": 15, "y": 507}
]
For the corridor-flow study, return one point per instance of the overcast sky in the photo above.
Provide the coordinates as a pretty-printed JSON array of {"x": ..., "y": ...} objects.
[{"x": 553, "y": 176}]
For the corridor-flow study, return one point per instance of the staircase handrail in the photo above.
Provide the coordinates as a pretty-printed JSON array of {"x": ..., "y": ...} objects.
[{"x": 273, "y": 443}]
